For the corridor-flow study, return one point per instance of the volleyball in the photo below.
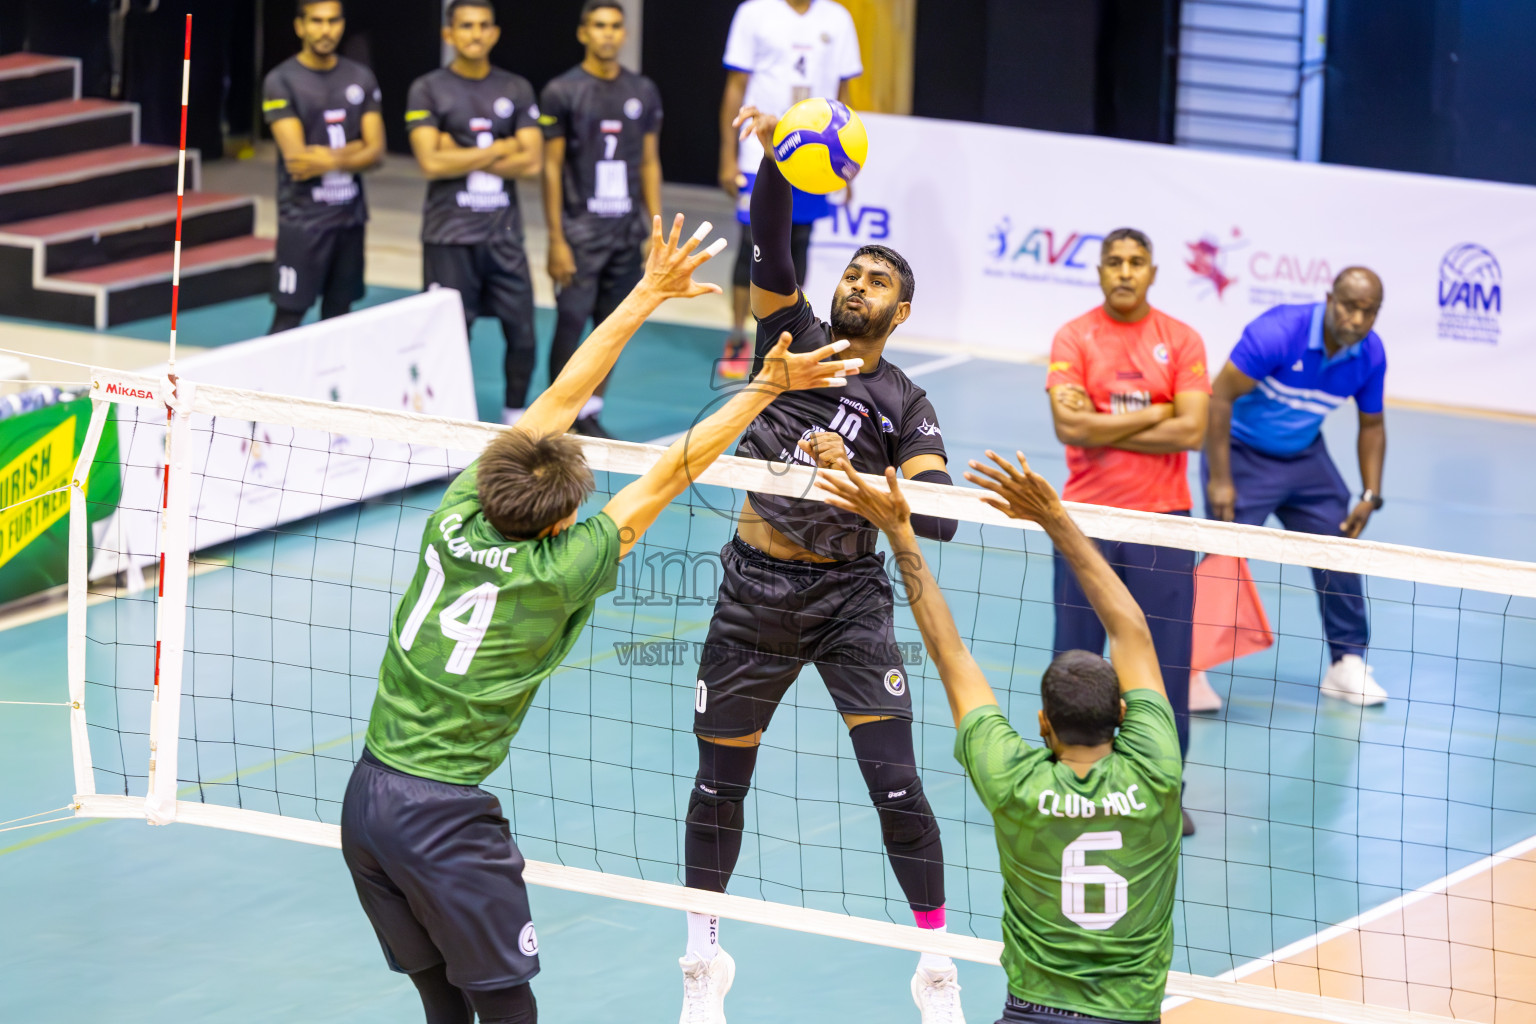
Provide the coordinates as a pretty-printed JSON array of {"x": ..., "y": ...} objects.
[{"x": 820, "y": 145}]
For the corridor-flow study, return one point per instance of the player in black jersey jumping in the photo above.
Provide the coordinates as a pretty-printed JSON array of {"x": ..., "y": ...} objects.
[
  {"x": 474, "y": 128},
  {"x": 601, "y": 162},
  {"x": 801, "y": 576},
  {"x": 323, "y": 111}
]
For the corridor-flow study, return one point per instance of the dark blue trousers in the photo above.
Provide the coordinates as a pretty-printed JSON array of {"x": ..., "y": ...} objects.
[
  {"x": 1162, "y": 581},
  {"x": 1307, "y": 494}
]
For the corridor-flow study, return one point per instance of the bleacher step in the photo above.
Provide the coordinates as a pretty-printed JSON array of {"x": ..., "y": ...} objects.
[{"x": 42, "y": 130}]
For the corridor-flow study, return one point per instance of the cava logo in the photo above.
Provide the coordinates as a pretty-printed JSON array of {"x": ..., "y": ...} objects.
[{"x": 1471, "y": 295}]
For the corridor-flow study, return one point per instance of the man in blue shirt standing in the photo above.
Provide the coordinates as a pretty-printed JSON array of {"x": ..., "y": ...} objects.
[{"x": 1264, "y": 452}]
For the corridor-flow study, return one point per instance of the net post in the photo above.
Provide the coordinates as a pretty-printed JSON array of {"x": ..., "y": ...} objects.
[
  {"x": 171, "y": 606},
  {"x": 79, "y": 593}
]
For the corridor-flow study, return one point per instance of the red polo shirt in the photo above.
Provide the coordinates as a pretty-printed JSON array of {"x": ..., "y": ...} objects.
[{"x": 1126, "y": 367}]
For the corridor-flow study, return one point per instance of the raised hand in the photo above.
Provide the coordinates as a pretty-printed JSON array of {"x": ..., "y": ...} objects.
[
  {"x": 887, "y": 510},
  {"x": 1022, "y": 493},
  {"x": 752, "y": 120},
  {"x": 784, "y": 370},
  {"x": 669, "y": 267}
]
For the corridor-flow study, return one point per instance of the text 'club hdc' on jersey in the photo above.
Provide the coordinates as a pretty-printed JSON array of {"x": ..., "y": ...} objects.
[
  {"x": 483, "y": 623},
  {"x": 330, "y": 106},
  {"x": 1299, "y": 384},
  {"x": 604, "y": 124},
  {"x": 884, "y": 419},
  {"x": 475, "y": 113},
  {"x": 1124, "y": 368},
  {"x": 1089, "y": 864}
]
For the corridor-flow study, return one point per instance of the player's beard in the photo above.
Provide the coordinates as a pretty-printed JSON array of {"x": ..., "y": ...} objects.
[{"x": 860, "y": 323}]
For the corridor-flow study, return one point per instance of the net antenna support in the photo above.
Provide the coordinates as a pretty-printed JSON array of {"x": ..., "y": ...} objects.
[
  {"x": 171, "y": 586},
  {"x": 190, "y": 408}
]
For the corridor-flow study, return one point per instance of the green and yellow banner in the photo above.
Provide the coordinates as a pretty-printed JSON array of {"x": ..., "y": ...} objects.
[{"x": 37, "y": 459}]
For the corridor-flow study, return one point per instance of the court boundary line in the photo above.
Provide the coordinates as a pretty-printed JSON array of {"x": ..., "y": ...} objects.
[
  {"x": 778, "y": 915},
  {"x": 1359, "y": 922}
]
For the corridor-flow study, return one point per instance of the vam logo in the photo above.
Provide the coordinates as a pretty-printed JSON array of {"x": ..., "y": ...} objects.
[{"x": 1471, "y": 294}]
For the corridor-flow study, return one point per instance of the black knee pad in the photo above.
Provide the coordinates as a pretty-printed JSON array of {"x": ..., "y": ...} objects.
[
  {"x": 717, "y": 805},
  {"x": 906, "y": 820},
  {"x": 886, "y": 758}
]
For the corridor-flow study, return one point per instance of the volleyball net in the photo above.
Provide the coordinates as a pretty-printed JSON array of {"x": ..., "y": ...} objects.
[{"x": 229, "y": 609}]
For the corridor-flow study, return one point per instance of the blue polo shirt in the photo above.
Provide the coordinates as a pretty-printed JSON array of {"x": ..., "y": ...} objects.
[{"x": 1298, "y": 383}]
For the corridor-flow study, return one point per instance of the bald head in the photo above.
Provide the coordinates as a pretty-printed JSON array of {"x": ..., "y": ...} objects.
[
  {"x": 1351, "y": 310},
  {"x": 1360, "y": 281}
]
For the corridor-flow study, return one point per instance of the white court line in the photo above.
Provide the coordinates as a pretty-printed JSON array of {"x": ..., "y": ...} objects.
[{"x": 1359, "y": 921}]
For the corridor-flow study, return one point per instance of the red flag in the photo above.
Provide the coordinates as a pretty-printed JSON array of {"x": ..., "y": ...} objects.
[{"x": 1229, "y": 617}]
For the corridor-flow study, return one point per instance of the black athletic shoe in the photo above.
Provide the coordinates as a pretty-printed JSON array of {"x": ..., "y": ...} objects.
[
  {"x": 1189, "y": 823},
  {"x": 587, "y": 426}
]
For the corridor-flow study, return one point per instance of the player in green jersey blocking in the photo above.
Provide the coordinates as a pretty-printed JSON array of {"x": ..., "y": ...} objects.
[
  {"x": 1088, "y": 826},
  {"x": 506, "y": 580}
]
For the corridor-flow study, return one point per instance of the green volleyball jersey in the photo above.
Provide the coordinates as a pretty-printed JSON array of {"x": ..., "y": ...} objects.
[
  {"x": 483, "y": 623},
  {"x": 1089, "y": 865}
]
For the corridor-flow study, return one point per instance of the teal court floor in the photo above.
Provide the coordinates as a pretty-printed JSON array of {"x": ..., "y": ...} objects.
[{"x": 1308, "y": 813}]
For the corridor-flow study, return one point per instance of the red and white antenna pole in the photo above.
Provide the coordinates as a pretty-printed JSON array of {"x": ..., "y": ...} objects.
[
  {"x": 171, "y": 589},
  {"x": 181, "y": 189}
]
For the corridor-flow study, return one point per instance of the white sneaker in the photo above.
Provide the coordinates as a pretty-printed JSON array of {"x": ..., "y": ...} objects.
[
  {"x": 1202, "y": 698},
  {"x": 509, "y": 416},
  {"x": 705, "y": 983},
  {"x": 937, "y": 995},
  {"x": 1351, "y": 679}
]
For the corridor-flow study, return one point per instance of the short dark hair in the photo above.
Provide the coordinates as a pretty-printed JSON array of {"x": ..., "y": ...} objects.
[
  {"x": 301, "y": 7},
  {"x": 598, "y": 5},
  {"x": 454, "y": 5},
  {"x": 527, "y": 484},
  {"x": 1081, "y": 696},
  {"x": 894, "y": 260},
  {"x": 1122, "y": 234}
]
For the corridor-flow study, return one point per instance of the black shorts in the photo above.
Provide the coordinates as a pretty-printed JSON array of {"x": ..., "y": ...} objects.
[
  {"x": 775, "y": 616},
  {"x": 1020, "y": 1011},
  {"x": 439, "y": 877},
  {"x": 310, "y": 264},
  {"x": 491, "y": 277},
  {"x": 799, "y": 249}
]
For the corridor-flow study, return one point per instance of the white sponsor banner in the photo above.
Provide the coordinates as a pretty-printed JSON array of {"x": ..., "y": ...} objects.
[
  {"x": 1002, "y": 228},
  {"x": 410, "y": 355}
]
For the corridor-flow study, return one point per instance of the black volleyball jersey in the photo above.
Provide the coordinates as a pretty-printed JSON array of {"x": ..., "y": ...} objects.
[
  {"x": 330, "y": 105},
  {"x": 604, "y": 123},
  {"x": 475, "y": 112},
  {"x": 884, "y": 418}
]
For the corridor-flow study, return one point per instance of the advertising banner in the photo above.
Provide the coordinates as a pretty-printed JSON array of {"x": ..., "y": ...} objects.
[
  {"x": 37, "y": 460},
  {"x": 412, "y": 355},
  {"x": 1002, "y": 227}
]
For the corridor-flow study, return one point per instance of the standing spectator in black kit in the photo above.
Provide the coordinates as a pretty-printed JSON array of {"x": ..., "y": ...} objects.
[
  {"x": 473, "y": 128},
  {"x": 323, "y": 111},
  {"x": 601, "y": 136}
]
